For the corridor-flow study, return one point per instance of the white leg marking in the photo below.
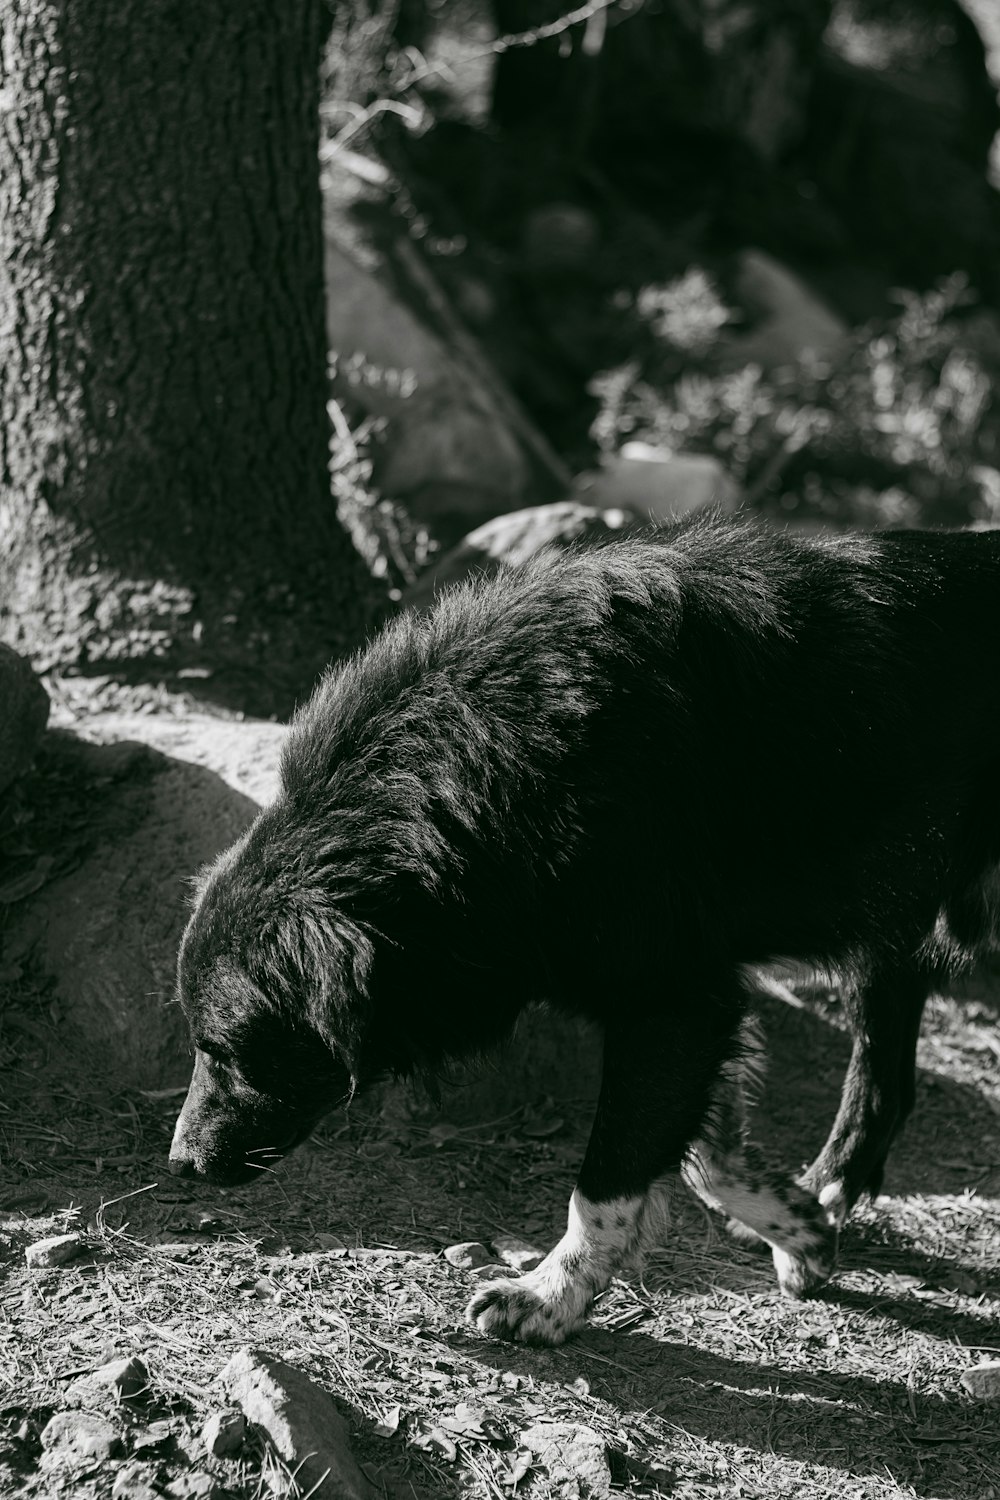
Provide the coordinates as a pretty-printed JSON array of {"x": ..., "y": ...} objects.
[
  {"x": 549, "y": 1303},
  {"x": 803, "y": 1242}
]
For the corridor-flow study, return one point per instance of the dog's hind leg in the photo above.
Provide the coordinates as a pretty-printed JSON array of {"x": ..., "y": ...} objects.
[
  {"x": 659, "y": 1071},
  {"x": 730, "y": 1175},
  {"x": 878, "y": 1092}
]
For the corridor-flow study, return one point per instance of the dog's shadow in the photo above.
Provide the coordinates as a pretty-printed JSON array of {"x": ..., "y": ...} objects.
[{"x": 851, "y": 1424}]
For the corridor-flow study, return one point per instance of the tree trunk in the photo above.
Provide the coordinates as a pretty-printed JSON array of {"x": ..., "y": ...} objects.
[{"x": 164, "y": 480}]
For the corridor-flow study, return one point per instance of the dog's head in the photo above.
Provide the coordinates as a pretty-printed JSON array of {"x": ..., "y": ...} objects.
[{"x": 273, "y": 985}]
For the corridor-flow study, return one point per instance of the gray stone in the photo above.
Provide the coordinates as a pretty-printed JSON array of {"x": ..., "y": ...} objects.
[
  {"x": 983, "y": 1381},
  {"x": 656, "y": 485},
  {"x": 301, "y": 1422},
  {"x": 134, "y": 1482},
  {"x": 194, "y": 1487},
  {"x": 516, "y": 1253},
  {"x": 224, "y": 1432},
  {"x": 512, "y": 539},
  {"x": 468, "y": 1256},
  {"x": 127, "y": 1377},
  {"x": 451, "y": 446},
  {"x": 108, "y": 931},
  {"x": 55, "y": 1251},
  {"x": 25, "y": 714},
  {"x": 78, "y": 1437},
  {"x": 794, "y": 322},
  {"x": 574, "y": 1458}
]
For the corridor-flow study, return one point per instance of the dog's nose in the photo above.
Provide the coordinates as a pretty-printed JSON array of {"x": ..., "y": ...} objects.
[{"x": 181, "y": 1168}]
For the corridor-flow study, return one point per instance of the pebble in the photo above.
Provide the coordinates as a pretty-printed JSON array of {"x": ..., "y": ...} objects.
[
  {"x": 517, "y": 1254},
  {"x": 469, "y": 1255},
  {"x": 133, "y": 1482},
  {"x": 983, "y": 1381},
  {"x": 55, "y": 1251},
  {"x": 224, "y": 1432},
  {"x": 76, "y": 1436}
]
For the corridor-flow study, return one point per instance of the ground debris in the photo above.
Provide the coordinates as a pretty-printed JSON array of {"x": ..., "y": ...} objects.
[
  {"x": 55, "y": 1251},
  {"x": 301, "y": 1421}
]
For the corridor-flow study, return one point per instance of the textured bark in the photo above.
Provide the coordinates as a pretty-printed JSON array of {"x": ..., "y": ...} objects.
[{"x": 163, "y": 430}]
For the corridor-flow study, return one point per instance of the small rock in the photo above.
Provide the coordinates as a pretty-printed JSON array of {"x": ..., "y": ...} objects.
[
  {"x": 516, "y": 1254},
  {"x": 134, "y": 1482},
  {"x": 330, "y": 1242},
  {"x": 127, "y": 1377},
  {"x": 983, "y": 1381},
  {"x": 55, "y": 1251},
  {"x": 301, "y": 1421},
  {"x": 197, "y": 1487},
  {"x": 156, "y": 1435},
  {"x": 468, "y": 1256},
  {"x": 574, "y": 1457},
  {"x": 224, "y": 1432},
  {"x": 76, "y": 1436},
  {"x": 794, "y": 320},
  {"x": 492, "y": 1272}
]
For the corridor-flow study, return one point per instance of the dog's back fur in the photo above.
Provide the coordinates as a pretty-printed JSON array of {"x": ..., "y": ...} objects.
[{"x": 613, "y": 779}]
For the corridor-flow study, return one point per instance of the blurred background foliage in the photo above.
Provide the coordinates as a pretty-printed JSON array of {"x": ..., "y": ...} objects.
[{"x": 628, "y": 205}]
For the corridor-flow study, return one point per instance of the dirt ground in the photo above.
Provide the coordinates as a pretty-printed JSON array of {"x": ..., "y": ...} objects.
[{"x": 698, "y": 1377}]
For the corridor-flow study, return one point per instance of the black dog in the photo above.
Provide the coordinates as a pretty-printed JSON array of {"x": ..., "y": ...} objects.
[{"x": 615, "y": 779}]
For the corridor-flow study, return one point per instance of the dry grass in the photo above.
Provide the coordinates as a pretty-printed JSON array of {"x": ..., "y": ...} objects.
[{"x": 699, "y": 1378}]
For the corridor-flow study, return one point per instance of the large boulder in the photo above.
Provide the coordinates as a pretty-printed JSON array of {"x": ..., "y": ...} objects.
[
  {"x": 23, "y": 717},
  {"x": 455, "y": 449},
  {"x": 511, "y": 539},
  {"x": 175, "y": 792},
  {"x": 165, "y": 795}
]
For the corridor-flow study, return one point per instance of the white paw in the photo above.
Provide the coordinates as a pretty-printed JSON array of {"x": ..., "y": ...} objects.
[{"x": 520, "y": 1311}]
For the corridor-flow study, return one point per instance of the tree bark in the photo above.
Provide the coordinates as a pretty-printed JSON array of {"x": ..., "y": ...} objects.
[{"x": 163, "y": 431}]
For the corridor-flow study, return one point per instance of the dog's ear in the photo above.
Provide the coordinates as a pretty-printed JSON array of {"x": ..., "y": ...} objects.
[{"x": 326, "y": 961}]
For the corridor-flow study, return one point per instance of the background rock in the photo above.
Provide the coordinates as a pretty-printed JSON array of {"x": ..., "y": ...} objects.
[
  {"x": 512, "y": 539},
  {"x": 657, "y": 486}
]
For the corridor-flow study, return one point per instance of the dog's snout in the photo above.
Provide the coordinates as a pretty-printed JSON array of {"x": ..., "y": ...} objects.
[{"x": 179, "y": 1167}]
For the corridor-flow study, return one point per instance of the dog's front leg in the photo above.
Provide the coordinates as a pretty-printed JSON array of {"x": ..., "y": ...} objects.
[{"x": 654, "y": 1094}]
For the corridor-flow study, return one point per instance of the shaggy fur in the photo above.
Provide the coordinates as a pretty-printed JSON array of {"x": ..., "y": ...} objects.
[{"x": 613, "y": 780}]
